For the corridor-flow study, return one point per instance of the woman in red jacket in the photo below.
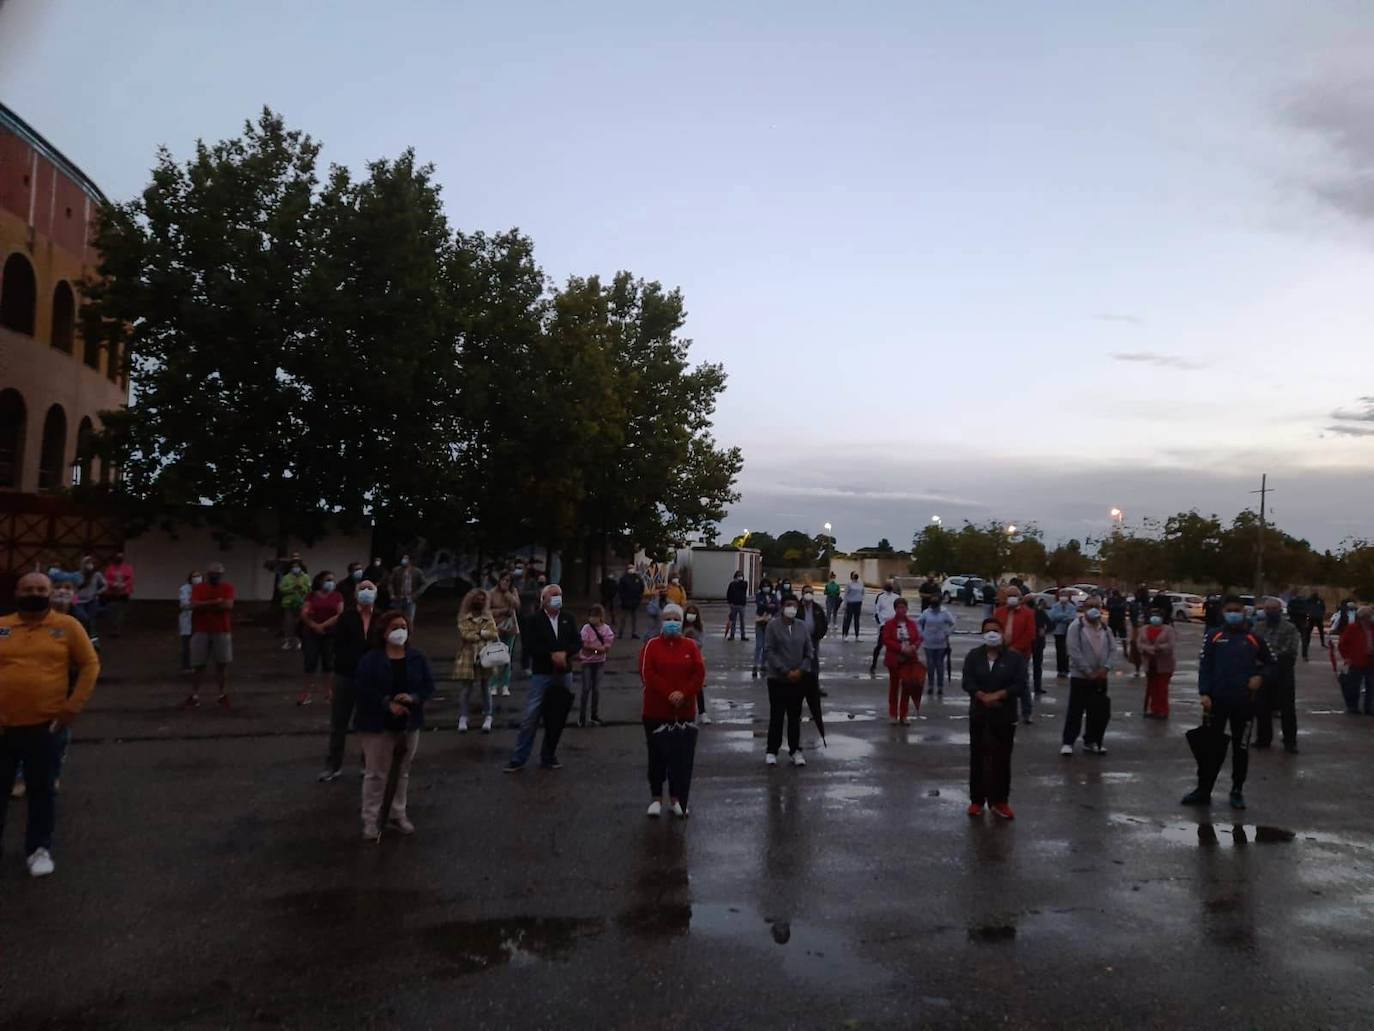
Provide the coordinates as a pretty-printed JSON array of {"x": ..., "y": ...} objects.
[
  {"x": 906, "y": 675},
  {"x": 1156, "y": 643},
  {"x": 673, "y": 674}
]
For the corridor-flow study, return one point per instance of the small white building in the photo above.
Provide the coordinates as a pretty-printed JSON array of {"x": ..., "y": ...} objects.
[{"x": 706, "y": 570}]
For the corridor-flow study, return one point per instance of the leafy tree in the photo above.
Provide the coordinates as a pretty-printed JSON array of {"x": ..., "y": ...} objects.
[
  {"x": 1067, "y": 564},
  {"x": 1130, "y": 559},
  {"x": 933, "y": 549},
  {"x": 1192, "y": 547}
]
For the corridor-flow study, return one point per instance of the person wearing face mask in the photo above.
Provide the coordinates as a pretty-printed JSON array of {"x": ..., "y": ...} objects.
[
  {"x": 1230, "y": 675},
  {"x": 1092, "y": 651},
  {"x": 86, "y": 598},
  {"x": 1316, "y": 619},
  {"x": 119, "y": 590},
  {"x": 883, "y": 610},
  {"x": 936, "y": 624},
  {"x": 1355, "y": 644},
  {"x": 833, "y": 594},
  {"x": 672, "y": 671},
  {"x": 212, "y": 637},
  {"x": 551, "y": 640},
  {"x": 901, "y": 637},
  {"x": 1062, "y": 614},
  {"x": 766, "y": 608},
  {"x": 597, "y": 637},
  {"x": 812, "y": 615},
  {"x": 994, "y": 677},
  {"x": 39, "y": 649},
  {"x": 348, "y": 586},
  {"x": 294, "y": 588},
  {"x": 1156, "y": 642},
  {"x": 788, "y": 656},
  {"x": 184, "y": 617},
  {"x": 319, "y": 616},
  {"x": 676, "y": 593},
  {"x": 476, "y": 629},
  {"x": 1020, "y": 629},
  {"x": 407, "y": 583},
  {"x": 853, "y": 606},
  {"x": 394, "y": 680},
  {"x": 376, "y": 572},
  {"x": 736, "y": 596},
  {"x": 1280, "y": 688},
  {"x": 351, "y": 637},
  {"x": 630, "y": 592}
]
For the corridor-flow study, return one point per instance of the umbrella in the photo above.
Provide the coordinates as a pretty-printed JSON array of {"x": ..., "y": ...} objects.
[
  {"x": 1209, "y": 749},
  {"x": 813, "y": 702},
  {"x": 392, "y": 776}
]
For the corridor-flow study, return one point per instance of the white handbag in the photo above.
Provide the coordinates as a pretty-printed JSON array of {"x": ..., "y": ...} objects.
[{"x": 494, "y": 655}]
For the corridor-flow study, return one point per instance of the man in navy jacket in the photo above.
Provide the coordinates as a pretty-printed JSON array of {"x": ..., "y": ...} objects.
[
  {"x": 1234, "y": 663},
  {"x": 550, "y": 638}
]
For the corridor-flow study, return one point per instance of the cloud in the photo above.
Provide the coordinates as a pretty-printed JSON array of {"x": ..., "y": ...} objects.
[
  {"x": 1112, "y": 316},
  {"x": 1351, "y": 431},
  {"x": 1367, "y": 415},
  {"x": 1339, "y": 111},
  {"x": 1164, "y": 361}
]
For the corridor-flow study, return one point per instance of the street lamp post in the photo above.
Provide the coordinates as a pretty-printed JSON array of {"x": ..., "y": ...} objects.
[{"x": 1118, "y": 517}]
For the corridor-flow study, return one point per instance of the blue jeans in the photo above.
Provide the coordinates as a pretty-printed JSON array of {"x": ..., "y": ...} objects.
[
  {"x": 546, "y": 692},
  {"x": 758, "y": 644},
  {"x": 736, "y": 621},
  {"x": 935, "y": 665}
]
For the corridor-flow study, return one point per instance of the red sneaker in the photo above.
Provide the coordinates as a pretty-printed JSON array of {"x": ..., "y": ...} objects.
[
  {"x": 975, "y": 809},
  {"x": 1003, "y": 810}
]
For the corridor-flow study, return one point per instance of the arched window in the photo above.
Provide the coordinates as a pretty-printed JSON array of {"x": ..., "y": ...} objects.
[
  {"x": 13, "y": 418},
  {"x": 18, "y": 295},
  {"x": 63, "y": 317},
  {"x": 85, "y": 443},
  {"x": 51, "y": 456}
]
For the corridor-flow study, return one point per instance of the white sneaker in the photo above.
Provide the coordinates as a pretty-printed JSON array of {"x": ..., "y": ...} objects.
[
  {"x": 286, "y": 645},
  {"x": 798, "y": 759},
  {"x": 462, "y": 724},
  {"x": 505, "y": 691},
  {"x": 1099, "y": 750},
  {"x": 770, "y": 759},
  {"x": 40, "y": 863},
  {"x": 678, "y": 811},
  {"x": 705, "y": 718},
  {"x": 655, "y": 807},
  {"x": 1066, "y": 750},
  {"x": 486, "y": 725}
]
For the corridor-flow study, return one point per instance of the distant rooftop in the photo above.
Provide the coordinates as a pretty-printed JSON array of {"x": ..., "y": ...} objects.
[{"x": 31, "y": 136}]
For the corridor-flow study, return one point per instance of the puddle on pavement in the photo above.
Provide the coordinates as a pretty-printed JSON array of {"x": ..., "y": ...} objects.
[
  {"x": 806, "y": 950},
  {"x": 1207, "y": 833},
  {"x": 471, "y": 946},
  {"x": 992, "y": 932}
]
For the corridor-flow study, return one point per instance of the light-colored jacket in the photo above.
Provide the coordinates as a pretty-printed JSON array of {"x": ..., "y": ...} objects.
[
  {"x": 473, "y": 632},
  {"x": 1159, "y": 656},
  {"x": 1089, "y": 652},
  {"x": 1062, "y": 614},
  {"x": 787, "y": 647},
  {"x": 936, "y": 627},
  {"x": 184, "y": 615},
  {"x": 854, "y": 592},
  {"x": 886, "y": 606}
]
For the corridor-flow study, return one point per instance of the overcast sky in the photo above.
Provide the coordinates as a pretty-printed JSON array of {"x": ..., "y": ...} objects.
[{"x": 995, "y": 260}]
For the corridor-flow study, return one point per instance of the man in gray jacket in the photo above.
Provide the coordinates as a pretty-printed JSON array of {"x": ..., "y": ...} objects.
[
  {"x": 788, "y": 656},
  {"x": 1092, "y": 651},
  {"x": 1280, "y": 687}
]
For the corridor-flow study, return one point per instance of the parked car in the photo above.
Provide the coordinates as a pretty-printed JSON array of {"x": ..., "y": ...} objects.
[
  {"x": 1051, "y": 594},
  {"x": 961, "y": 587},
  {"x": 1088, "y": 589},
  {"x": 1186, "y": 607}
]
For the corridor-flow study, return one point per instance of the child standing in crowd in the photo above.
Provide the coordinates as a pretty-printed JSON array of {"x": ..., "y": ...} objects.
[
  {"x": 476, "y": 628},
  {"x": 597, "y": 638},
  {"x": 693, "y": 628},
  {"x": 1156, "y": 644},
  {"x": 184, "y": 617}
]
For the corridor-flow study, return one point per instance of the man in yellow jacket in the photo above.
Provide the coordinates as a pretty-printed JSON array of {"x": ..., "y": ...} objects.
[{"x": 39, "y": 649}]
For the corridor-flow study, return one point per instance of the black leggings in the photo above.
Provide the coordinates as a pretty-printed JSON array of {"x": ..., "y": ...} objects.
[
  {"x": 785, "y": 702},
  {"x": 672, "y": 752},
  {"x": 853, "y": 610}
]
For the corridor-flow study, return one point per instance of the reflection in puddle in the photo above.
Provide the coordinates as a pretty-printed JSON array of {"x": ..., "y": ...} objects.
[
  {"x": 470, "y": 946},
  {"x": 1208, "y": 834},
  {"x": 806, "y": 950}
]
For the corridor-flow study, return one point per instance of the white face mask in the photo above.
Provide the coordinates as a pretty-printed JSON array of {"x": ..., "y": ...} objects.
[
  {"x": 992, "y": 639},
  {"x": 399, "y": 636},
  {"x": 196, "y": 579},
  {"x": 789, "y": 611},
  {"x": 1013, "y": 602},
  {"x": 691, "y": 617},
  {"x": 366, "y": 596}
]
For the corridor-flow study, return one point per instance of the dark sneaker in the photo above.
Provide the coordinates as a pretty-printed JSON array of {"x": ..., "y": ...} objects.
[
  {"x": 1196, "y": 797},
  {"x": 329, "y": 776},
  {"x": 512, "y": 768},
  {"x": 1291, "y": 749},
  {"x": 554, "y": 765},
  {"x": 1237, "y": 800}
]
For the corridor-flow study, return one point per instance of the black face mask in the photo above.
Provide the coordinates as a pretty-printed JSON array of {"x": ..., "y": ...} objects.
[{"x": 32, "y": 603}]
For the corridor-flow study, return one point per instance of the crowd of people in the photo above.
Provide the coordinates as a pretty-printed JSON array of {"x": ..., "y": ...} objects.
[{"x": 355, "y": 633}]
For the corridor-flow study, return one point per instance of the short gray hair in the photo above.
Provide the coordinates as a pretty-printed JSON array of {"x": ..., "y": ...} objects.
[{"x": 672, "y": 611}]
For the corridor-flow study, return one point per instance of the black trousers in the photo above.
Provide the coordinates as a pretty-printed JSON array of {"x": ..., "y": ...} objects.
[
  {"x": 558, "y": 702},
  {"x": 991, "y": 733},
  {"x": 1087, "y": 698},
  {"x": 1307, "y": 637},
  {"x": 672, "y": 753},
  {"x": 852, "y": 611},
  {"x": 1238, "y": 719},
  {"x": 37, "y": 748},
  {"x": 1061, "y": 655},
  {"x": 1038, "y": 665},
  {"x": 1278, "y": 694},
  {"x": 340, "y": 716},
  {"x": 785, "y": 702}
]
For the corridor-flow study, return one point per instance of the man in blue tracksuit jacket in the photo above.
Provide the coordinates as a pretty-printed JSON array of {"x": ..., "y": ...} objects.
[{"x": 1234, "y": 662}]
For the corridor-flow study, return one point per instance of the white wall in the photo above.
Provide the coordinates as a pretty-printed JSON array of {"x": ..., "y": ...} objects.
[
  {"x": 708, "y": 573},
  {"x": 161, "y": 560}
]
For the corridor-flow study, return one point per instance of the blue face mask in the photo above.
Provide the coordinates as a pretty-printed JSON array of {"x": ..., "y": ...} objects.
[
  {"x": 1233, "y": 618},
  {"x": 1156, "y": 621},
  {"x": 671, "y": 627}
]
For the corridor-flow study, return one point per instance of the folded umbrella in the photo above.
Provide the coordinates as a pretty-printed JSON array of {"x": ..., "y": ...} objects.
[
  {"x": 1209, "y": 749},
  {"x": 813, "y": 702}
]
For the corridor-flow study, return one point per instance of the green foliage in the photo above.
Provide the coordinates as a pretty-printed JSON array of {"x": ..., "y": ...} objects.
[
  {"x": 933, "y": 549},
  {"x": 311, "y": 352},
  {"x": 1067, "y": 564}
]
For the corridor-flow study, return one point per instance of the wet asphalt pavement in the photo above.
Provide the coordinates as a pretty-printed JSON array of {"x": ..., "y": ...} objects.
[{"x": 205, "y": 879}]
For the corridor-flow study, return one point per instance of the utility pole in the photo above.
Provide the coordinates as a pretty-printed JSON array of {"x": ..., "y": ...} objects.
[{"x": 1263, "y": 493}]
